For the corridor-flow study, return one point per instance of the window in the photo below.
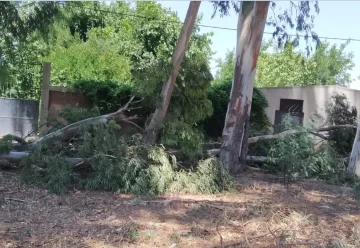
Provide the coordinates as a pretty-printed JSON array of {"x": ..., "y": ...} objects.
[{"x": 292, "y": 107}]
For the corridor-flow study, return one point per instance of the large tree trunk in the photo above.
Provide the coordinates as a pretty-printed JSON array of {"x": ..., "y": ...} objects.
[
  {"x": 167, "y": 89},
  {"x": 354, "y": 164},
  {"x": 251, "y": 24}
]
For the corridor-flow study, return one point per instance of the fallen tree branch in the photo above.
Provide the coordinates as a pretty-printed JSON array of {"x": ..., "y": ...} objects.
[
  {"x": 16, "y": 157},
  {"x": 73, "y": 129},
  {"x": 290, "y": 132},
  {"x": 331, "y": 128},
  {"x": 17, "y": 200}
]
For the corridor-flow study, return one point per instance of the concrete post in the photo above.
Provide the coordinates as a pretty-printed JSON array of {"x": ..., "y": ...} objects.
[{"x": 44, "y": 107}]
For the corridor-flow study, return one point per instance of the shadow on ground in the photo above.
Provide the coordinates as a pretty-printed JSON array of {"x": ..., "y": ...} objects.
[{"x": 261, "y": 213}]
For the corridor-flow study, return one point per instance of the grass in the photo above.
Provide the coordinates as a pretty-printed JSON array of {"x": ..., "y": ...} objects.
[{"x": 261, "y": 213}]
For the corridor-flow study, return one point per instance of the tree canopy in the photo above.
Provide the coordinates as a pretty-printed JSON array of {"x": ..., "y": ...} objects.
[
  {"x": 286, "y": 66},
  {"x": 298, "y": 16}
]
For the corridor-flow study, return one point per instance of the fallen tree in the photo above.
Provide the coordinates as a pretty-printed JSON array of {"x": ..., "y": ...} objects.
[{"x": 22, "y": 149}]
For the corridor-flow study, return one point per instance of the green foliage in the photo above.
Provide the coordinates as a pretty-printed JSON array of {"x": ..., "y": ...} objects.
[
  {"x": 333, "y": 64},
  {"x": 208, "y": 177},
  {"x": 95, "y": 59},
  {"x": 111, "y": 52},
  {"x": 73, "y": 115},
  {"x": 6, "y": 144},
  {"x": 46, "y": 166},
  {"x": 225, "y": 67},
  {"x": 219, "y": 94},
  {"x": 108, "y": 96},
  {"x": 287, "y": 67},
  {"x": 119, "y": 163},
  {"x": 299, "y": 15},
  {"x": 19, "y": 68},
  {"x": 284, "y": 66},
  {"x": 296, "y": 157},
  {"x": 339, "y": 112},
  {"x": 14, "y": 24},
  {"x": 140, "y": 51},
  {"x": 182, "y": 135}
]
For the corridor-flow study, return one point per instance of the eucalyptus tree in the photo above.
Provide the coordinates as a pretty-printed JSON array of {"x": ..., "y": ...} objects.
[{"x": 251, "y": 24}]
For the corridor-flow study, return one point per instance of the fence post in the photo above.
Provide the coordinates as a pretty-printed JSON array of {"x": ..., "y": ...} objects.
[{"x": 45, "y": 87}]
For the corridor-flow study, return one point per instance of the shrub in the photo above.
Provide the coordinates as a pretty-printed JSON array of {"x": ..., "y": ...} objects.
[
  {"x": 219, "y": 95},
  {"x": 6, "y": 144},
  {"x": 72, "y": 115},
  {"x": 108, "y": 96},
  {"x": 295, "y": 157},
  {"x": 339, "y": 112}
]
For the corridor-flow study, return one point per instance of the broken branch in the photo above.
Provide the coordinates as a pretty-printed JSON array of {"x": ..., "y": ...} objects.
[
  {"x": 293, "y": 131},
  {"x": 73, "y": 129}
]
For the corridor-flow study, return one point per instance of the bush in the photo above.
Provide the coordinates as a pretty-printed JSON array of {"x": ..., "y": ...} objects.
[
  {"x": 108, "y": 96},
  {"x": 219, "y": 95},
  {"x": 72, "y": 115},
  {"x": 339, "y": 112},
  {"x": 6, "y": 144},
  {"x": 295, "y": 157},
  {"x": 119, "y": 163}
]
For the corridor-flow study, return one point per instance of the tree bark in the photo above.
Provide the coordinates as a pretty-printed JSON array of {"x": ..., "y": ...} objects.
[
  {"x": 354, "y": 164},
  {"x": 244, "y": 147},
  {"x": 168, "y": 86},
  {"x": 251, "y": 24}
]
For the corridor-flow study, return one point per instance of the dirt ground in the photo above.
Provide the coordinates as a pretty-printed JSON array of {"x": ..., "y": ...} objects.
[{"x": 261, "y": 213}]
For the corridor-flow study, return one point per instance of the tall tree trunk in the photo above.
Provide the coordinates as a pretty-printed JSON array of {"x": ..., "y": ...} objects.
[
  {"x": 168, "y": 86},
  {"x": 354, "y": 164},
  {"x": 251, "y": 24}
]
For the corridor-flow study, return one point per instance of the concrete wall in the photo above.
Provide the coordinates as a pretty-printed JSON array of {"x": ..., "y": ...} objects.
[
  {"x": 18, "y": 117},
  {"x": 314, "y": 97}
]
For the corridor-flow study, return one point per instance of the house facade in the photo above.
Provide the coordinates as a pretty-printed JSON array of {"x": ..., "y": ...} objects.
[{"x": 303, "y": 101}]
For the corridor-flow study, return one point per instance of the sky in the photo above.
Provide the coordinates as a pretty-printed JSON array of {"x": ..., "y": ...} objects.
[{"x": 342, "y": 24}]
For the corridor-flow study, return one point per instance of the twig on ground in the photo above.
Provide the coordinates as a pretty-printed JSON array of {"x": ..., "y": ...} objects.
[
  {"x": 17, "y": 200},
  {"x": 221, "y": 238},
  {"x": 243, "y": 227},
  {"x": 276, "y": 238}
]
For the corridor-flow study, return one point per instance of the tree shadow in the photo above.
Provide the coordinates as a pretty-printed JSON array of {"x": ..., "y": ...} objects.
[{"x": 313, "y": 210}]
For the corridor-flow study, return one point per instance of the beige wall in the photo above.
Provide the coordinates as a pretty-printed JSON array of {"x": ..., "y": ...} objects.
[{"x": 314, "y": 97}]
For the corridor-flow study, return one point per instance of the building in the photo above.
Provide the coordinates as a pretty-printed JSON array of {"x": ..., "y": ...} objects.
[{"x": 303, "y": 101}]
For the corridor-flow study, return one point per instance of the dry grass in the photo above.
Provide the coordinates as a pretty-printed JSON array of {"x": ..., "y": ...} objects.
[{"x": 262, "y": 213}]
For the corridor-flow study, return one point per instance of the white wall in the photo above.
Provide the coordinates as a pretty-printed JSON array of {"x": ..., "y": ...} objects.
[{"x": 314, "y": 97}]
